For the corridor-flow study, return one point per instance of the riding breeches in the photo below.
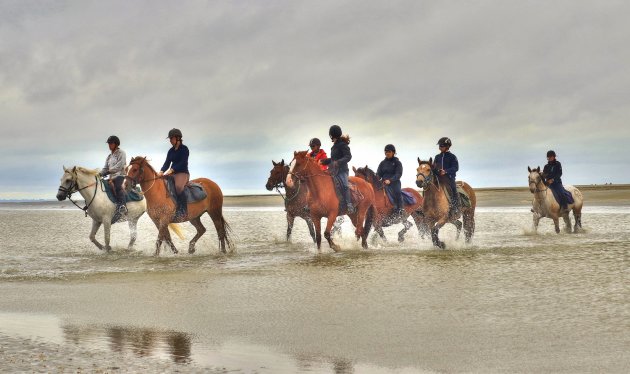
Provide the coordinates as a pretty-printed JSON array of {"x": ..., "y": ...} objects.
[
  {"x": 342, "y": 178},
  {"x": 396, "y": 192},
  {"x": 454, "y": 193},
  {"x": 181, "y": 180},
  {"x": 119, "y": 192}
]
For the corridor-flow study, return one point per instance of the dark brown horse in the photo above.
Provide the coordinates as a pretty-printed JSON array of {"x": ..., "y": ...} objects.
[
  {"x": 384, "y": 208},
  {"x": 161, "y": 208},
  {"x": 296, "y": 199},
  {"x": 436, "y": 205},
  {"x": 323, "y": 200}
]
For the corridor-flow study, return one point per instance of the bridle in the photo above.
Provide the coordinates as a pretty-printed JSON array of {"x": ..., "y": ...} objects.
[
  {"x": 300, "y": 175},
  {"x": 428, "y": 180},
  {"x": 535, "y": 183},
  {"x": 281, "y": 184},
  {"x": 137, "y": 180},
  {"x": 74, "y": 187}
]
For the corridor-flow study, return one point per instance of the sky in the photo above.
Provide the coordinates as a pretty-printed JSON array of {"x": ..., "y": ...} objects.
[{"x": 248, "y": 82}]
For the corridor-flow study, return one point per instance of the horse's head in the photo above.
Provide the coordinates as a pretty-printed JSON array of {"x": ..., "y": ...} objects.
[
  {"x": 136, "y": 169},
  {"x": 424, "y": 174},
  {"x": 300, "y": 167},
  {"x": 68, "y": 183},
  {"x": 534, "y": 178},
  {"x": 277, "y": 175},
  {"x": 368, "y": 175}
]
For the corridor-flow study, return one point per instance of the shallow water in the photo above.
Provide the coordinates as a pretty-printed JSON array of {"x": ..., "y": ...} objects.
[{"x": 511, "y": 301}]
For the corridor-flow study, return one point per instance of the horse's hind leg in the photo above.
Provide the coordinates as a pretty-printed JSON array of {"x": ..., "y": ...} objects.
[
  {"x": 133, "y": 232},
  {"x": 469, "y": 225},
  {"x": 217, "y": 220},
  {"x": 578, "y": 221},
  {"x": 200, "y": 231},
  {"x": 567, "y": 222},
  {"x": 406, "y": 226},
  {"x": 95, "y": 226},
  {"x": 107, "y": 226},
  {"x": 290, "y": 221},
  {"x": 311, "y": 227},
  {"x": 459, "y": 226}
]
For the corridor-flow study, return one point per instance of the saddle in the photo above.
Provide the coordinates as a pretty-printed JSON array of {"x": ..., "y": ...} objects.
[
  {"x": 354, "y": 192},
  {"x": 193, "y": 191},
  {"x": 464, "y": 199},
  {"x": 407, "y": 198},
  {"x": 567, "y": 195},
  {"x": 132, "y": 195}
]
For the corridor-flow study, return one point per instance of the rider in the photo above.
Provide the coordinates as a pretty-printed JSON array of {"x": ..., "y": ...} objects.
[
  {"x": 115, "y": 167},
  {"x": 177, "y": 164},
  {"x": 390, "y": 170},
  {"x": 339, "y": 157},
  {"x": 446, "y": 164},
  {"x": 552, "y": 173},
  {"x": 316, "y": 152}
]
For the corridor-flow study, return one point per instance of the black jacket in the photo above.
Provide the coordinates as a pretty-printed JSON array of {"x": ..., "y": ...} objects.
[
  {"x": 553, "y": 170},
  {"x": 391, "y": 169},
  {"x": 340, "y": 154},
  {"x": 448, "y": 162}
]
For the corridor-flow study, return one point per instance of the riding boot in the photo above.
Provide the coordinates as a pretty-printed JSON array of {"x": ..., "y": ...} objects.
[
  {"x": 121, "y": 211},
  {"x": 182, "y": 207},
  {"x": 348, "y": 198},
  {"x": 455, "y": 206}
]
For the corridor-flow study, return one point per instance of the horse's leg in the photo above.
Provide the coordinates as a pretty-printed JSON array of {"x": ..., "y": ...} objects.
[
  {"x": 406, "y": 226},
  {"x": 290, "y": 221},
  {"x": 318, "y": 233},
  {"x": 458, "y": 224},
  {"x": 536, "y": 220},
  {"x": 469, "y": 224},
  {"x": 133, "y": 232},
  {"x": 95, "y": 226},
  {"x": 329, "y": 223},
  {"x": 311, "y": 228},
  {"x": 556, "y": 224},
  {"x": 337, "y": 226},
  {"x": 217, "y": 219},
  {"x": 107, "y": 228},
  {"x": 420, "y": 224},
  {"x": 567, "y": 223},
  {"x": 200, "y": 231},
  {"x": 577, "y": 215},
  {"x": 167, "y": 238},
  {"x": 435, "y": 231}
]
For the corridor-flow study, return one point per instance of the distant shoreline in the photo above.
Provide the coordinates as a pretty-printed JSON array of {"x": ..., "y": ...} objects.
[{"x": 609, "y": 194}]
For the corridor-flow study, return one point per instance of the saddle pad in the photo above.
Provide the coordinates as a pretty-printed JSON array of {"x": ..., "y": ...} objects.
[
  {"x": 464, "y": 199},
  {"x": 193, "y": 191},
  {"x": 408, "y": 198},
  {"x": 133, "y": 194}
]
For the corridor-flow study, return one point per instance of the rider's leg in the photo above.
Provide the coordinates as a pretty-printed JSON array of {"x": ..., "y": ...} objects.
[{"x": 181, "y": 179}]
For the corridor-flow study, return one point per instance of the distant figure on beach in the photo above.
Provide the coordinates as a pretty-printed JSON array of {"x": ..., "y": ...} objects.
[
  {"x": 316, "y": 152},
  {"x": 177, "y": 164},
  {"x": 552, "y": 173},
  {"x": 446, "y": 164},
  {"x": 390, "y": 171},
  {"x": 115, "y": 167},
  {"x": 339, "y": 157}
]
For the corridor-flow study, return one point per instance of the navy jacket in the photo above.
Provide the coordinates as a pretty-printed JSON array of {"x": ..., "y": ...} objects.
[
  {"x": 553, "y": 170},
  {"x": 178, "y": 158},
  {"x": 340, "y": 154},
  {"x": 391, "y": 169},
  {"x": 448, "y": 162}
]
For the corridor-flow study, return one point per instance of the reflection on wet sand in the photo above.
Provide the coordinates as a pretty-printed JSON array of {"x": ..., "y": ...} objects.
[{"x": 142, "y": 342}]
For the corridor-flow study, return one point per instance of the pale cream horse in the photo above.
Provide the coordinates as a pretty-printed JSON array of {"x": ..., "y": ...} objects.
[{"x": 545, "y": 204}]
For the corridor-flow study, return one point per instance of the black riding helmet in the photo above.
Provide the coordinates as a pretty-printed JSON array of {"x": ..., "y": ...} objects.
[
  {"x": 113, "y": 139},
  {"x": 174, "y": 132},
  {"x": 551, "y": 153},
  {"x": 315, "y": 142},
  {"x": 444, "y": 141},
  {"x": 390, "y": 147},
  {"x": 334, "y": 132}
]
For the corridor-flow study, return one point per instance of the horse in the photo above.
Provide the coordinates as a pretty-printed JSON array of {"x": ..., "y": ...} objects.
[
  {"x": 161, "y": 208},
  {"x": 545, "y": 204},
  {"x": 296, "y": 200},
  {"x": 436, "y": 205},
  {"x": 323, "y": 201},
  {"x": 384, "y": 208},
  {"x": 97, "y": 205}
]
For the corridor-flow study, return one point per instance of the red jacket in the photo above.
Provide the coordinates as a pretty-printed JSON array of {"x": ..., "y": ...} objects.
[{"x": 321, "y": 155}]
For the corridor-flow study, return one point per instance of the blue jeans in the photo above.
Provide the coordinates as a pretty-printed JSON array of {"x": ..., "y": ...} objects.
[{"x": 342, "y": 179}]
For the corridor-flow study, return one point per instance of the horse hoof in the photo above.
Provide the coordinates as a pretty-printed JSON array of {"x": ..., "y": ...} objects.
[{"x": 107, "y": 249}]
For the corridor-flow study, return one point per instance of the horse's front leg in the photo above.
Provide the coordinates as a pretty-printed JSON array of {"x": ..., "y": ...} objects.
[
  {"x": 107, "y": 228},
  {"x": 556, "y": 224},
  {"x": 290, "y": 221},
  {"x": 435, "y": 231},
  {"x": 311, "y": 228},
  {"x": 133, "y": 232},
  {"x": 95, "y": 226},
  {"x": 329, "y": 224},
  {"x": 318, "y": 232},
  {"x": 535, "y": 220}
]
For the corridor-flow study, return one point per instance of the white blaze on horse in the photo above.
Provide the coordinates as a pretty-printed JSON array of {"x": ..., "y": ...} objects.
[
  {"x": 97, "y": 204},
  {"x": 546, "y": 205}
]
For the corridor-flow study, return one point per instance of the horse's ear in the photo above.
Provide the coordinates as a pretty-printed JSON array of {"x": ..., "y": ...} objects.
[
  {"x": 418, "y": 160},
  {"x": 64, "y": 168},
  {"x": 74, "y": 169},
  {"x": 354, "y": 169},
  {"x": 430, "y": 160},
  {"x": 282, "y": 162},
  {"x": 529, "y": 169},
  {"x": 294, "y": 153},
  {"x": 273, "y": 162},
  {"x": 366, "y": 166},
  {"x": 538, "y": 169}
]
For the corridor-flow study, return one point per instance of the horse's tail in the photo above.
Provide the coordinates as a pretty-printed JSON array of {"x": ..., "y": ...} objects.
[
  {"x": 369, "y": 218},
  {"x": 177, "y": 230},
  {"x": 227, "y": 231}
]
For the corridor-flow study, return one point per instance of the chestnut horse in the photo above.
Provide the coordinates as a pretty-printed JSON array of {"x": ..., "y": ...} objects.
[
  {"x": 323, "y": 200},
  {"x": 296, "y": 199},
  {"x": 161, "y": 208},
  {"x": 385, "y": 209},
  {"x": 436, "y": 205},
  {"x": 545, "y": 204}
]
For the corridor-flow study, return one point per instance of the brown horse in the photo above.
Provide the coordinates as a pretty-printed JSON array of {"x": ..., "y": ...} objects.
[
  {"x": 161, "y": 208},
  {"x": 385, "y": 209},
  {"x": 323, "y": 200},
  {"x": 296, "y": 199},
  {"x": 436, "y": 205}
]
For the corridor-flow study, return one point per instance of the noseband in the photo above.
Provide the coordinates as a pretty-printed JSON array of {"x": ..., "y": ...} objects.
[
  {"x": 425, "y": 180},
  {"x": 535, "y": 183},
  {"x": 74, "y": 187}
]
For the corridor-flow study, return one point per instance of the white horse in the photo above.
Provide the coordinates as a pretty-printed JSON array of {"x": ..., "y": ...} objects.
[
  {"x": 545, "y": 204},
  {"x": 97, "y": 205}
]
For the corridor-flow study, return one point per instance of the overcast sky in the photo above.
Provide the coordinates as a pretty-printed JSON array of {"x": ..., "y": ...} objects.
[{"x": 248, "y": 82}]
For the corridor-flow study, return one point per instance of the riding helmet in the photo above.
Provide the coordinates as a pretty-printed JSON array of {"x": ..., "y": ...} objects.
[
  {"x": 175, "y": 133},
  {"x": 390, "y": 147},
  {"x": 551, "y": 154},
  {"x": 444, "y": 142},
  {"x": 315, "y": 142},
  {"x": 334, "y": 132},
  {"x": 113, "y": 139}
]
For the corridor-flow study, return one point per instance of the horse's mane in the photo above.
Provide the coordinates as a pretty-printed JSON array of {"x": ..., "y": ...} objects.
[
  {"x": 142, "y": 158},
  {"x": 372, "y": 176},
  {"x": 87, "y": 171}
]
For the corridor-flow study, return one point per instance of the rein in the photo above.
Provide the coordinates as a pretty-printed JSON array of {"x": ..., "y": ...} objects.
[{"x": 69, "y": 191}]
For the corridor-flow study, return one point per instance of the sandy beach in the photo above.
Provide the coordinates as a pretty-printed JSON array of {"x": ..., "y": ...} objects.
[{"x": 514, "y": 302}]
